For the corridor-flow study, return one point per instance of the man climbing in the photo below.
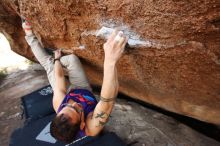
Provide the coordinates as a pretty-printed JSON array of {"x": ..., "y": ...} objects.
[{"x": 78, "y": 113}]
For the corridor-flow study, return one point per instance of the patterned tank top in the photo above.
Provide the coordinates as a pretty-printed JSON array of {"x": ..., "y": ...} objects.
[{"x": 83, "y": 97}]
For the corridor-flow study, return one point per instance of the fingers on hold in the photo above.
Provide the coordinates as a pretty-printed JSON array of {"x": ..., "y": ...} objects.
[
  {"x": 127, "y": 38},
  {"x": 118, "y": 37},
  {"x": 120, "y": 33},
  {"x": 125, "y": 42},
  {"x": 121, "y": 41},
  {"x": 24, "y": 25},
  {"x": 27, "y": 29},
  {"x": 27, "y": 23},
  {"x": 113, "y": 35},
  {"x": 123, "y": 45}
]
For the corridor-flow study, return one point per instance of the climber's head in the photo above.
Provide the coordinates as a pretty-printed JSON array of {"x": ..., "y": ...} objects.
[{"x": 67, "y": 123}]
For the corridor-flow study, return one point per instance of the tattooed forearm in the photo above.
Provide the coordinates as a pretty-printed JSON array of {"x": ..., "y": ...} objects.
[
  {"x": 101, "y": 123},
  {"x": 101, "y": 115},
  {"x": 104, "y": 116},
  {"x": 107, "y": 99}
]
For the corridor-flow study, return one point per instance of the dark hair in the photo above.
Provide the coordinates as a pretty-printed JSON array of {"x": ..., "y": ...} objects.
[{"x": 63, "y": 129}]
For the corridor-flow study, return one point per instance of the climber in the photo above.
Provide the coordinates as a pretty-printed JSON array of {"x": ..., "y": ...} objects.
[{"x": 78, "y": 114}]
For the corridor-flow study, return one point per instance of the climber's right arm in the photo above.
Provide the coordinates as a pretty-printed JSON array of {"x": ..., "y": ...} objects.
[{"x": 60, "y": 83}]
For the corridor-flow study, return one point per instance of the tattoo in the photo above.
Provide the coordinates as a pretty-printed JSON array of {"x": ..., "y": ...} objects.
[
  {"x": 107, "y": 99},
  {"x": 101, "y": 123},
  {"x": 101, "y": 115}
]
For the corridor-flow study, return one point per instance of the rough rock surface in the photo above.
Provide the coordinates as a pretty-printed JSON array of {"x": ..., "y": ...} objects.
[
  {"x": 177, "y": 68},
  {"x": 135, "y": 124},
  {"x": 12, "y": 88},
  {"x": 140, "y": 126}
]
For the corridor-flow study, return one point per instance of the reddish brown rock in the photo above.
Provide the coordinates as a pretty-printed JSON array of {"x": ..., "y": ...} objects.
[
  {"x": 10, "y": 26},
  {"x": 178, "y": 69}
]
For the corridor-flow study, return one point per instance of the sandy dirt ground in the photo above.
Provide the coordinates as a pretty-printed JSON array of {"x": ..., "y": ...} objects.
[{"x": 14, "y": 86}]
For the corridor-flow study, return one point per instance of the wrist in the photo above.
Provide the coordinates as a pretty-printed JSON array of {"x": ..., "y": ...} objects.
[
  {"x": 28, "y": 32},
  {"x": 56, "y": 59},
  {"x": 110, "y": 63}
]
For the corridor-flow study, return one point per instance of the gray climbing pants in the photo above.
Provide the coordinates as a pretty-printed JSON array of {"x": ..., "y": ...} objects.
[{"x": 71, "y": 65}]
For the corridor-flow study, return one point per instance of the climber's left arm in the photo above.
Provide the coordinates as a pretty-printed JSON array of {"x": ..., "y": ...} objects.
[{"x": 113, "y": 48}]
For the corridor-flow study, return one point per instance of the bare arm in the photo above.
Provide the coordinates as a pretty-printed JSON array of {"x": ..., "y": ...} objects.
[
  {"x": 113, "y": 48},
  {"x": 41, "y": 55},
  {"x": 60, "y": 84}
]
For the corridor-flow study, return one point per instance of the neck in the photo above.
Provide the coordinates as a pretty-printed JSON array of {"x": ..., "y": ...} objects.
[{"x": 70, "y": 101}]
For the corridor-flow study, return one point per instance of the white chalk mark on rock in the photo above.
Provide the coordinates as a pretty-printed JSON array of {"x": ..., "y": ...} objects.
[
  {"x": 82, "y": 47},
  {"x": 134, "y": 39}
]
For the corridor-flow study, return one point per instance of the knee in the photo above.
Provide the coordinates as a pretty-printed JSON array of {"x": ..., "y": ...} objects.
[
  {"x": 73, "y": 58},
  {"x": 69, "y": 60}
]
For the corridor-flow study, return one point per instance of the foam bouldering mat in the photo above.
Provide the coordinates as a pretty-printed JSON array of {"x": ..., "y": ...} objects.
[
  {"x": 38, "y": 104},
  {"x": 39, "y": 112},
  {"x": 37, "y": 133}
]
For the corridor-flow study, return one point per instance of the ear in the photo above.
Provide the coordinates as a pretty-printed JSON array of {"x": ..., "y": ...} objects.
[{"x": 82, "y": 124}]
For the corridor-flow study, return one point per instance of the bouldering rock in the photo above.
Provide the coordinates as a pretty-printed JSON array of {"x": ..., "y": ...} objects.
[
  {"x": 176, "y": 67},
  {"x": 10, "y": 26}
]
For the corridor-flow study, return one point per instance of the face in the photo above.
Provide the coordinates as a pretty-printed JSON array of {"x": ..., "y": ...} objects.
[{"x": 73, "y": 111}]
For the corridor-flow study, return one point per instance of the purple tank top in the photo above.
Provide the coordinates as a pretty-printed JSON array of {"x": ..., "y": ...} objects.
[{"x": 85, "y": 98}]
